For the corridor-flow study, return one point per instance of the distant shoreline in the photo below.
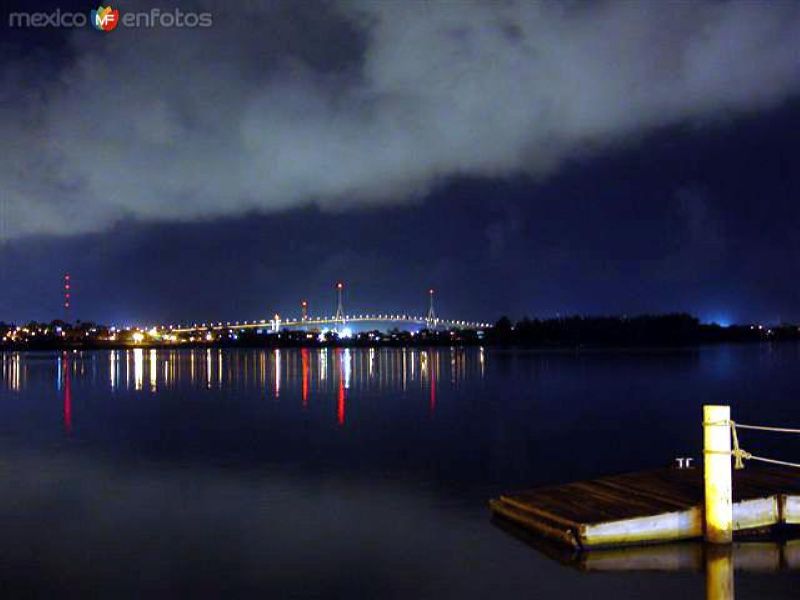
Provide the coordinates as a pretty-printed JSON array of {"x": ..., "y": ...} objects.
[{"x": 568, "y": 334}]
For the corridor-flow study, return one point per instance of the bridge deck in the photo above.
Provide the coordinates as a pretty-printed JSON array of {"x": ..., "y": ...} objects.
[{"x": 395, "y": 319}]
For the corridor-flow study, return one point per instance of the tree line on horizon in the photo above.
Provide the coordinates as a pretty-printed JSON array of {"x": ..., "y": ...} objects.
[{"x": 640, "y": 330}]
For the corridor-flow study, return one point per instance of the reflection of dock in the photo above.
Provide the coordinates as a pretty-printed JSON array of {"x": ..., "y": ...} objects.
[
  {"x": 756, "y": 556},
  {"x": 652, "y": 506}
]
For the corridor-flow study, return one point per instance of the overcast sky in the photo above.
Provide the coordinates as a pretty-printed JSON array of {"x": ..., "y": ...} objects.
[{"x": 523, "y": 158}]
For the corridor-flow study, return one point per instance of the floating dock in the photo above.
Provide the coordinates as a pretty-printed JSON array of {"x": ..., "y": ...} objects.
[
  {"x": 754, "y": 554},
  {"x": 657, "y": 506}
]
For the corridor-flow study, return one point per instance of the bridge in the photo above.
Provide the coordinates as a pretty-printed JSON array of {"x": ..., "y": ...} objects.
[{"x": 338, "y": 321}]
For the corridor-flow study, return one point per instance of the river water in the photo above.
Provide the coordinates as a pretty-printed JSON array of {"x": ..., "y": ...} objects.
[{"x": 349, "y": 473}]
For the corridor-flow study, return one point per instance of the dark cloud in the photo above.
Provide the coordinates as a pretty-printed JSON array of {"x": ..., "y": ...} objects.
[{"x": 364, "y": 103}]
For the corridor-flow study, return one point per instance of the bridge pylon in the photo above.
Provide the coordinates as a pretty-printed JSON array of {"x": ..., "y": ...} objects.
[
  {"x": 339, "y": 316},
  {"x": 304, "y": 310},
  {"x": 430, "y": 318}
]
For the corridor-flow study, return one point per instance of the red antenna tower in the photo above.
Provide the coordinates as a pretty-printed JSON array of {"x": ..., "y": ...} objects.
[{"x": 67, "y": 296}]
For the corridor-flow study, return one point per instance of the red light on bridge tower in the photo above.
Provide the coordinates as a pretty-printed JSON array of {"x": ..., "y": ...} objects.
[{"x": 304, "y": 310}]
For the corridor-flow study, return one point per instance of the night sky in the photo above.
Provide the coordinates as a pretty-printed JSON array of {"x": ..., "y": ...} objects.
[{"x": 521, "y": 158}]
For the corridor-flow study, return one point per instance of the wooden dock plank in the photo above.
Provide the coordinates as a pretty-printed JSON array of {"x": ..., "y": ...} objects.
[
  {"x": 564, "y": 535},
  {"x": 582, "y": 504}
]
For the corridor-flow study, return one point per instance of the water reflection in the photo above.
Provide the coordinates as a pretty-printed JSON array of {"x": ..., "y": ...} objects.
[
  {"x": 12, "y": 371},
  {"x": 113, "y": 369},
  {"x": 749, "y": 556},
  {"x": 65, "y": 369},
  {"x": 153, "y": 371},
  {"x": 345, "y": 372},
  {"x": 305, "y": 376},
  {"x": 299, "y": 374},
  {"x": 718, "y": 562},
  {"x": 277, "y": 371},
  {"x": 138, "y": 369},
  {"x": 719, "y": 572}
]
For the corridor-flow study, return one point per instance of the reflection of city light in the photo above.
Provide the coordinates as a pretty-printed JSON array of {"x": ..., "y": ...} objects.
[
  {"x": 112, "y": 367},
  {"x": 295, "y": 371},
  {"x": 371, "y": 363},
  {"x": 405, "y": 367},
  {"x": 323, "y": 364},
  {"x": 347, "y": 366},
  {"x": 14, "y": 373},
  {"x": 277, "y": 373},
  {"x": 432, "y": 400},
  {"x": 153, "y": 371},
  {"x": 208, "y": 368},
  {"x": 138, "y": 368}
]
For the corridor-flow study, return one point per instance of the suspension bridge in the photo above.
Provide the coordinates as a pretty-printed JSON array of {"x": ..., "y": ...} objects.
[{"x": 340, "y": 321}]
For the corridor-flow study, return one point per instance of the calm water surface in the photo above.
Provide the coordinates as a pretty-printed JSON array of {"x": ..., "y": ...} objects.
[{"x": 358, "y": 473}]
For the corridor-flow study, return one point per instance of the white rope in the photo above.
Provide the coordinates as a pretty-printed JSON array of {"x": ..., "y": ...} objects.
[
  {"x": 740, "y": 454},
  {"x": 772, "y": 461},
  {"x": 764, "y": 428}
]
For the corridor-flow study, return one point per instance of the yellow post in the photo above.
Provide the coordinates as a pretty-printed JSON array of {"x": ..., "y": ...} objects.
[{"x": 717, "y": 463}]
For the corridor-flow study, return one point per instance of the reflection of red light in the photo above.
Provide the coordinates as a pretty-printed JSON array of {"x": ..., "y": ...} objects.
[
  {"x": 340, "y": 407},
  {"x": 67, "y": 396},
  {"x": 304, "y": 361},
  {"x": 341, "y": 396}
]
